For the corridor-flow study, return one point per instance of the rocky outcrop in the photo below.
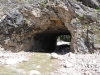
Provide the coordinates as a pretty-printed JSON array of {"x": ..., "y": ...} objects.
[
  {"x": 35, "y": 25},
  {"x": 92, "y": 3}
]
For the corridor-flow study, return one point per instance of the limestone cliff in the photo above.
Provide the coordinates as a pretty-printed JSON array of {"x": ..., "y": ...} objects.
[{"x": 35, "y": 24}]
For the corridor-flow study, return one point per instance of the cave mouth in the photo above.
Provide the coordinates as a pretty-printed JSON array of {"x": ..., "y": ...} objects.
[
  {"x": 47, "y": 42},
  {"x": 63, "y": 44}
]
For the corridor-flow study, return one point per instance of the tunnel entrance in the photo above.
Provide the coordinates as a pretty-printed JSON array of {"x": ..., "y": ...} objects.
[
  {"x": 47, "y": 42},
  {"x": 63, "y": 44}
]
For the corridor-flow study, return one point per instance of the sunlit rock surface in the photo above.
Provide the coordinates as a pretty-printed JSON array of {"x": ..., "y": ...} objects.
[{"x": 34, "y": 25}]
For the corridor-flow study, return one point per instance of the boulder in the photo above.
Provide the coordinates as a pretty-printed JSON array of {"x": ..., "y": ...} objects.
[{"x": 54, "y": 56}]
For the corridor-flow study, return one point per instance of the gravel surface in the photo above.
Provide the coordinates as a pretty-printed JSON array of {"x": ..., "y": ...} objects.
[
  {"x": 70, "y": 63},
  {"x": 9, "y": 58},
  {"x": 78, "y": 64}
]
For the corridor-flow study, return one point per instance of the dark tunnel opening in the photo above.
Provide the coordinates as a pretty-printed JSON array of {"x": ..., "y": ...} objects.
[{"x": 47, "y": 42}]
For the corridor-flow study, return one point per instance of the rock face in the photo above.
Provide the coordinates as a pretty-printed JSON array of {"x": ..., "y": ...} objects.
[
  {"x": 92, "y": 3},
  {"x": 35, "y": 25}
]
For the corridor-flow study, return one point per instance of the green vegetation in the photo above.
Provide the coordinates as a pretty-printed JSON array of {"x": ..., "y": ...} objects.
[
  {"x": 98, "y": 8},
  {"x": 80, "y": 16},
  {"x": 22, "y": 1},
  {"x": 62, "y": 37},
  {"x": 0, "y": 1},
  {"x": 4, "y": 10},
  {"x": 99, "y": 21},
  {"x": 96, "y": 41},
  {"x": 43, "y": 4},
  {"x": 68, "y": 38},
  {"x": 28, "y": 21},
  {"x": 30, "y": 2}
]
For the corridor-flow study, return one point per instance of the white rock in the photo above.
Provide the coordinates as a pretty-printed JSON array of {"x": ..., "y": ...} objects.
[
  {"x": 15, "y": 61},
  {"x": 99, "y": 69},
  {"x": 36, "y": 12},
  {"x": 21, "y": 59},
  {"x": 90, "y": 63},
  {"x": 68, "y": 64},
  {"x": 60, "y": 58},
  {"x": 19, "y": 71},
  {"x": 54, "y": 56},
  {"x": 76, "y": 73},
  {"x": 34, "y": 72},
  {"x": 11, "y": 62},
  {"x": 71, "y": 55},
  {"x": 38, "y": 66},
  {"x": 1, "y": 49},
  {"x": 94, "y": 61},
  {"x": 88, "y": 73},
  {"x": 0, "y": 20},
  {"x": 7, "y": 55},
  {"x": 48, "y": 54},
  {"x": 2, "y": 54}
]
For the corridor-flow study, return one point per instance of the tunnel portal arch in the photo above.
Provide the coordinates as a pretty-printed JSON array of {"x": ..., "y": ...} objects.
[{"x": 47, "y": 41}]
